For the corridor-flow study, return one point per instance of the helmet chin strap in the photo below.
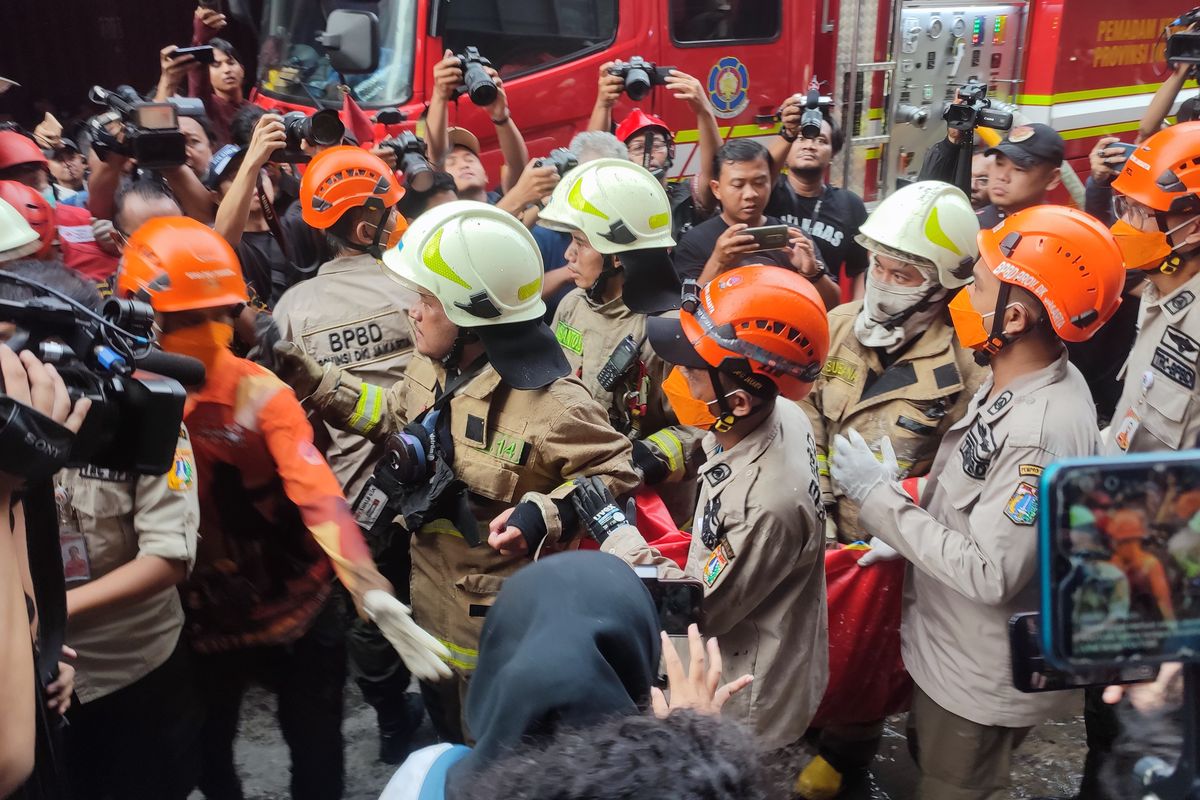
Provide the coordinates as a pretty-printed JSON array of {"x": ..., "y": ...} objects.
[
  {"x": 451, "y": 361},
  {"x": 595, "y": 292},
  {"x": 997, "y": 338},
  {"x": 727, "y": 420},
  {"x": 374, "y": 247}
]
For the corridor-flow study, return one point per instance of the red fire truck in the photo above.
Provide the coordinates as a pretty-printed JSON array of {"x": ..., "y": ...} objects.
[{"x": 1087, "y": 67}]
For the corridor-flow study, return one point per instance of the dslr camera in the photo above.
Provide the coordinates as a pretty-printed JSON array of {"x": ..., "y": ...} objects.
[
  {"x": 1184, "y": 47},
  {"x": 640, "y": 76},
  {"x": 322, "y": 129},
  {"x": 477, "y": 83},
  {"x": 973, "y": 110},
  {"x": 134, "y": 128},
  {"x": 133, "y": 424},
  {"x": 562, "y": 159},
  {"x": 411, "y": 159}
]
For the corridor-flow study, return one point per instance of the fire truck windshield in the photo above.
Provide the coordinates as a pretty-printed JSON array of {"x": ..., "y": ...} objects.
[{"x": 293, "y": 66}]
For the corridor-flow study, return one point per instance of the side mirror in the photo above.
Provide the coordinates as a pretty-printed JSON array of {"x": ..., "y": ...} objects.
[
  {"x": 437, "y": 17},
  {"x": 351, "y": 40}
]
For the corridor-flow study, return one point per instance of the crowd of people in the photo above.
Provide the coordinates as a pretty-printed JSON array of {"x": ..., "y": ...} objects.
[{"x": 421, "y": 408}]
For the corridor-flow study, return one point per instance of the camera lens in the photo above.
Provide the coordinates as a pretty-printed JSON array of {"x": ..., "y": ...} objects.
[
  {"x": 325, "y": 128},
  {"x": 637, "y": 83},
  {"x": 418, "y": 174},
  {"x": 480, "y": 86}
]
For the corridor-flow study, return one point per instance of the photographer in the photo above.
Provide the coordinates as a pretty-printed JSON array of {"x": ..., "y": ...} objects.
[
  {"x": 742, "y": 183},
  {"x": 218, "y": 85},
  {"x": 136, "y": 720},
  {"x": 487, "y": 425},
  {"x": 1045, "y": 275},
  {"x": 352, "y": 315},
  {"x": 275, "y": 527},
  {"x": 42, "y": 404},
  {"x": 829, "y": 214},
  {"x": 652, "y": 144}
]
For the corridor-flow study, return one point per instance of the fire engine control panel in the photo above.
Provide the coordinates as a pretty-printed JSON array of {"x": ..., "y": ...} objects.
[{"x": 938, "y": 48}]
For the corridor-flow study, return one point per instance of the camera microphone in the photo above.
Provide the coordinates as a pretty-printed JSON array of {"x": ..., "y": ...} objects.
[{"x": 185, "y": 369}]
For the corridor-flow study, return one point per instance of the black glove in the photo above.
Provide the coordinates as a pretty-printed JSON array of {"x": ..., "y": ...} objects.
[
  {"x": 597, "y": 508},
  {"x": 654, "y": 469},
  {"x": 267, "y": 335}
]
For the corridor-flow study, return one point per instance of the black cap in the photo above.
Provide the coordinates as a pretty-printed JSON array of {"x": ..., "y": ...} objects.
[
  {"x": 224, "y": 165},
  {"x": 668, "y": 340},
  {"x": 1027, "y": 145}
]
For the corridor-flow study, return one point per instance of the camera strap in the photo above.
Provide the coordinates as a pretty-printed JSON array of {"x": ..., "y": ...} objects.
[
  {"x": 31, "y": 444},
  {"x": 270, "y": 216},
  {"x": 453, "y": 385}
]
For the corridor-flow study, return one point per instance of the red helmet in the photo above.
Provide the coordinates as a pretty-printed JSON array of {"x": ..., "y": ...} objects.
[
  {"x": 16, "y": 148},
  {"x": 639, "y": 120},
  {"x": 36, "y": 210}
]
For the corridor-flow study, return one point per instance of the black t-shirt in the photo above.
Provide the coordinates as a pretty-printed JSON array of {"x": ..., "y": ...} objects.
[
  {"x": 989, "y": 217},
  {"x": 684, "y": 214},
  {"x": 263, "y": 265},
  {"x": 832, "y": 220},
  {"x": 697, "y": 245}
]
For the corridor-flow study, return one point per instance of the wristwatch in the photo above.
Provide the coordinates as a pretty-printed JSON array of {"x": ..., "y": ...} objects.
[{"x": 783, "y": 135}]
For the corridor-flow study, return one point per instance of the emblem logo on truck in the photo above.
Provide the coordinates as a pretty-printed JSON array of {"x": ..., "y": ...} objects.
[{"x": 728, "y": 87}]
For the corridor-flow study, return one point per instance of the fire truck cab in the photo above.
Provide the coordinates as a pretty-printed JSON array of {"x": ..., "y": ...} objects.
[{"x": 1087, "y": 67}]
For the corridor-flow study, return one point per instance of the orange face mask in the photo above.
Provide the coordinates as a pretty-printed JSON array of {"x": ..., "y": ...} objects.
[
  {"x": 968, "y": 323},
  {"x": 1141, "y": 249},
  {"x": 203, "y": 342},
  {"x": 688, "y": 410}
]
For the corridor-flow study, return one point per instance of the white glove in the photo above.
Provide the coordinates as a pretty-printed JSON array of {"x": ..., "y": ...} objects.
[
  {"x": 880, "y": 551},
  {"x": 424, "y": 655},
  {"x": 855, "y": 469}
]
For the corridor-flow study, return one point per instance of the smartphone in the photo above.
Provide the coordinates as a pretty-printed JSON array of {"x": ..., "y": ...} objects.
[
  {"x": 203, "y": 53},
  {"x": 1119, "y": 560},
  {"x": 678, "y": 600},
  {"x": 1032, "y": 674},
  {"x": 1116, "y": 162},
  {"x": 769, "y": 237}
]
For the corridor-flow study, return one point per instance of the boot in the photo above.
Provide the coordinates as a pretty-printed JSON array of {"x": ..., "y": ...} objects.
[
  {"x": 397, "y": 726},
  {"x": 818, "y": 781}
]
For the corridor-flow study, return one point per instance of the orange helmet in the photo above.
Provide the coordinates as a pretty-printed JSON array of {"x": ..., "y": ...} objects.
[
  {"x": 179, "y": 264},
  {"x": 16, "y": 149},
  {"x": 36, "y": 210},
  {"x": 1125, "y": 525},
  {"x": 1067, "y": 259},
  {"x": 751, "y": 322},
  {"x": 1163, "y": 173},
  {"x": 342, "y": 178}
]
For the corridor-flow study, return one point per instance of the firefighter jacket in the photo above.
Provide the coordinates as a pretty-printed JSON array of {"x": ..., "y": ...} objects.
[
  {"x": 590, "y": 334},
  {"x": 758, "y": 547},
  {"x": 1158, "y": 408},
  {"x": 508, "y": 445},
  {"x": 274, "y": 526},
  {"x": 914, "y": 400},
  {"x": 355, "y": 317},
  {"x": 972, "y": 549}
]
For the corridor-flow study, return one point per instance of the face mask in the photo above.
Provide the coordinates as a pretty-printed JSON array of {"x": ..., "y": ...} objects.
[
  {"x": 203, "y": 342},
  {"x": 969, "y": 323},
  {"x": 885, "y": 300},
  {"x": 48, "y": 193},
  {"x": 1141, "y": 249},
  {"x": 688, "y": 410}
]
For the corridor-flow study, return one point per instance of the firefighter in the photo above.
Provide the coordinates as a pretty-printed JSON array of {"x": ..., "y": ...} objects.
[
  {"x": 619, "y": 220},
  {"x": 1045, "y": 275},
  {"x": 651, "y": 143},
  {"x": 274, "y": 527},
  {"x": 489, "y": 396},
  {"x": 353, "y": 316},
  {"x": 1157, "y": 199},
  {"x": 747, "y": 346},
  {"x": 895, "y": 369}
]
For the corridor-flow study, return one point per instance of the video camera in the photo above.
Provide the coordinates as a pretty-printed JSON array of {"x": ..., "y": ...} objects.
[
  {"x": 133, "y": 424},
  {"x": 562, "y": 159},
  {"x": 1184, "y": 47},
  {"x": 815, "y": 108},
  {"x": 477, "y": 83},
  {"x": 640, "y": 76},
  {"x": 148, "y": 132},
  {"x": 973, "y": 110},
  {"x": 322, "y": 129},
  {"x": 411, "y": 159}
]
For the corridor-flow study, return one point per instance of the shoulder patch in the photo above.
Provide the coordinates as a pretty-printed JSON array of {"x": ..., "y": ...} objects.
[
  {"x": 569, "y": 337},
  {"x": 509, "y": 448},
  {"x": 1181, "y": 344},
  {"x": 714, "y": 566},
  {"x": 841, "y": 369},
  {"x": 1003, "y": 400},
  {"x": 182, "y": 476},
  {"x": 1022, "y": 506},
  {"x": 1180, "y": 301},
  {"x": 718, "y": 474},
  {"x": 1031, "y": 470},
  {"x": 475, "y": 429}
]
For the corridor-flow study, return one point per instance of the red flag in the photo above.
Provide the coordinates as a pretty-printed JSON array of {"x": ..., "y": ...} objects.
[{"x": 357, "y": 122}]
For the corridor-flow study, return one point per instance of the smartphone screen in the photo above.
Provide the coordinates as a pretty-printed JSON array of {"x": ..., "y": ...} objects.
[
  {"x": 1120, "y": 558},
  {"x": 678, "y": 601},
  {"x": 1032, "y": 674}
]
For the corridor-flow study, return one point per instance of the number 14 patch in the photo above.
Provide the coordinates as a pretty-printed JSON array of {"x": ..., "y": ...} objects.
[{"x": 1022, "y": 507}]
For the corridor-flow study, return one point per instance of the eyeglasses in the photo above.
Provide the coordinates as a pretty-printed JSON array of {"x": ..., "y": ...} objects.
[
  {"x": 640, "y": 149},
  {"x": 1131, "y": 211}
]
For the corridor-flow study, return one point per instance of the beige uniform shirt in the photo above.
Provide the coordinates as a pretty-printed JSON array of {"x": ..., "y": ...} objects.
[
  {"x": 355, "y": 317},
  {"x": 758, "y": 547},
  {"x": 1158, "y": 409},
  {"x": 589, "y": 333},
  {"x": 973, "y": 548},
  {"x": 914, "y": 401},
  {"x": 509, "y": 445},
  {"x": 122, "y": 517}
]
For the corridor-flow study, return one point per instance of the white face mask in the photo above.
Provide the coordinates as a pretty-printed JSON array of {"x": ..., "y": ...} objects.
[{"x": 883, "y": 301}]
